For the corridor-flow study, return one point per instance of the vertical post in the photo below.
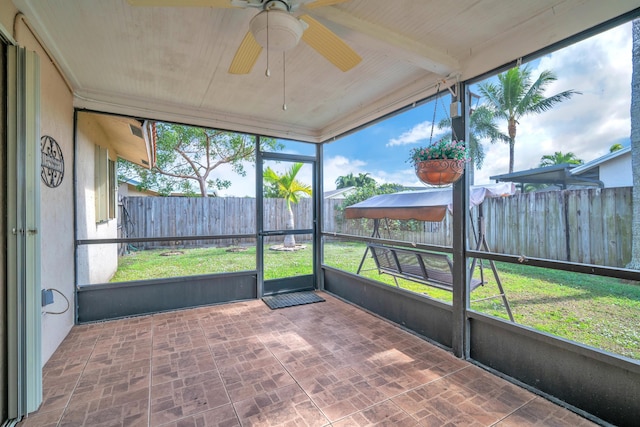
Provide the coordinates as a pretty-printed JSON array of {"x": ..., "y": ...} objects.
[
  {"x": 318, "y": 218},
  {"x": 259, "y": 221},
  {"x": 460, "y": 325}
]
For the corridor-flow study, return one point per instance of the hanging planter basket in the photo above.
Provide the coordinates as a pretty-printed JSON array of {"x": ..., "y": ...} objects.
[{"x": 440, "y": 171}]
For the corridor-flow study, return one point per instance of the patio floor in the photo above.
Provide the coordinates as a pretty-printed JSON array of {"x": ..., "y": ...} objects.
[{"x": 243, "y": 364}]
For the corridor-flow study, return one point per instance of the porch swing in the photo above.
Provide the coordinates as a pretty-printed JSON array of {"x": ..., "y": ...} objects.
[{"x": 429, "y": 268}]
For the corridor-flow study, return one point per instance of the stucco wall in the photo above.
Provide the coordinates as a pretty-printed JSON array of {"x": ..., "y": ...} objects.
[
  {"x": 56, "y": 204},
  {"x": 617, "y": 172},
  {"x": 96, "y": 263},
  {"x": 7, "y": 12}
]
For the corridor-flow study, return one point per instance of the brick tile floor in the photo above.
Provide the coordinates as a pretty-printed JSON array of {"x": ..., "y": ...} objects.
[{"x": 242, "y": 364}]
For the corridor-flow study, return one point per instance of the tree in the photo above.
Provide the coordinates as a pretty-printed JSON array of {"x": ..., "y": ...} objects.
[
  {"x": 516, "y": 95},
  {"x": 345, "y": 181},
  {"x": 187, "y": 155},
  {"x": 635, "y": 147},
  {"x": 289, "y": 188},
  {"x": 558, "y": 158},
  {"x": 362, "y": 180},
  {"x": 615, "y": 147}
]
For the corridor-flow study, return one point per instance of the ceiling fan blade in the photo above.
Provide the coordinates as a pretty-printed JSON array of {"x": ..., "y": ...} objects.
[
  {"x": 329, "y": 45},
  {"x": 246, "y": 55},
  {"x": 320, "y": 3},
  {"x": 181, "y": 3}
]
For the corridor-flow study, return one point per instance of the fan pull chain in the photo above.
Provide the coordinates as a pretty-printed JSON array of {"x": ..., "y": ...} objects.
[
  {"x": 284, "y": 83},
  {"x": 267, "y": 72}
]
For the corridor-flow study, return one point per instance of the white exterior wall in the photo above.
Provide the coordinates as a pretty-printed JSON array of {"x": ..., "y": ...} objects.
[
  {"x": 56, "y": 204},
  {"x": 96, "y": 263},
  {"x": 617, "y": 172}
]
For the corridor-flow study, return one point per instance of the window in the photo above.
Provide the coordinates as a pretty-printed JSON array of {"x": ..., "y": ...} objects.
[{"x": 105, "y": 185}]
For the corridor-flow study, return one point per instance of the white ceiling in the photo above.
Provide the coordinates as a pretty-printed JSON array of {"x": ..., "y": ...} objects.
[{"x": 170, "y": 63}]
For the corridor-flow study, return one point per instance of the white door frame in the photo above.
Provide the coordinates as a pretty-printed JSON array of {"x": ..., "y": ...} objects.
[{"x": 24, "y": 373}]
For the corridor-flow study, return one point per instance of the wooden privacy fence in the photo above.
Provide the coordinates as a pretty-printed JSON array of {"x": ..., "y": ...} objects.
[
  {"x": 197, "y": 216},
  {"x": 587, "y": 226}
]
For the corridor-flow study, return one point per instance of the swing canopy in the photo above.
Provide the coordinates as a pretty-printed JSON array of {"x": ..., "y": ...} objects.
[{"x": 425, "y": 205}]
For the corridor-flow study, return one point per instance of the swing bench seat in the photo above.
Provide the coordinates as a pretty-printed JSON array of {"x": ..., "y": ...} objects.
[{"x": 428, "y": 268}]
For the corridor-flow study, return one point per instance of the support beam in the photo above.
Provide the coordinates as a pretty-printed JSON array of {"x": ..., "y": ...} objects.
[
  {"x": 460, "y": 323},
  {"x": 318, "y": 241},
  {"x": 259, "y": 221}
]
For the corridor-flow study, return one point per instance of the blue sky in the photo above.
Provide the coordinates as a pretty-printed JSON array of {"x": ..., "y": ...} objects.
[{"x": 587, "y": 125}]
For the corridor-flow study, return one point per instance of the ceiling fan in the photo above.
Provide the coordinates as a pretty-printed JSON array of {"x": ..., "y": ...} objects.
[{"x": 277, "y": 28}]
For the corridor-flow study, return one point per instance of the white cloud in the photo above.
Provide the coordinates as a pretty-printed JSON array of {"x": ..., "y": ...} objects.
[
  {"x": 241, "y": 186},
  {"x": 333, "y": 168},
  {"x": 420, "y": 132},
  {"x": 339, "y": 166},
  {"x": 406, "y": 177},
  {"x": 245, "y": 186}
]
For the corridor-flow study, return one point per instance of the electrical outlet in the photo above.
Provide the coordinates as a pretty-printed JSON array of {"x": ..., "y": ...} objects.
[{"x": 455, "y": 109}]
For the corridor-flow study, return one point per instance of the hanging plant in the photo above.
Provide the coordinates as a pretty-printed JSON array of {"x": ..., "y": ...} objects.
[{"x": 441, "y": 163}]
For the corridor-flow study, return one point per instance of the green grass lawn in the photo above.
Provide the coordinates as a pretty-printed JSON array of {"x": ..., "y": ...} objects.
[
  {"x": 598, "y": 311},
  {"x": 159, "y": 263}
]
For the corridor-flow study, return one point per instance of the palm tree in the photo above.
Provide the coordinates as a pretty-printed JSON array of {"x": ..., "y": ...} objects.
[
  {"x": 345, "y": 181},
  {"x": 289, "y": 188},
  {"x": 516, "y": 95},
  {"x": 364, "y": 180},
  {"x": 558, "y": 158},
  {"x": 635, "y": 147}
]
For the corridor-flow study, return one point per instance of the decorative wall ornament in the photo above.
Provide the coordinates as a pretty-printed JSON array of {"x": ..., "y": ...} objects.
[{"x": 52, "y": 162}]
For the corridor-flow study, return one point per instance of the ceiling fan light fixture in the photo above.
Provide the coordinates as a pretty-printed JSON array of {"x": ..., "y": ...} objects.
[{"x": 284, "y": 30}]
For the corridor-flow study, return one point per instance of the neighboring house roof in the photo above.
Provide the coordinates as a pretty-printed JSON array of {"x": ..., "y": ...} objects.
[
  {"x": 565, "y": 175},
  {"x": 582, "y": 169},
  {"x": 133, "y": 183},
  {"x": 340, "y": 193},
  {"x": 556, "y": 175}
]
